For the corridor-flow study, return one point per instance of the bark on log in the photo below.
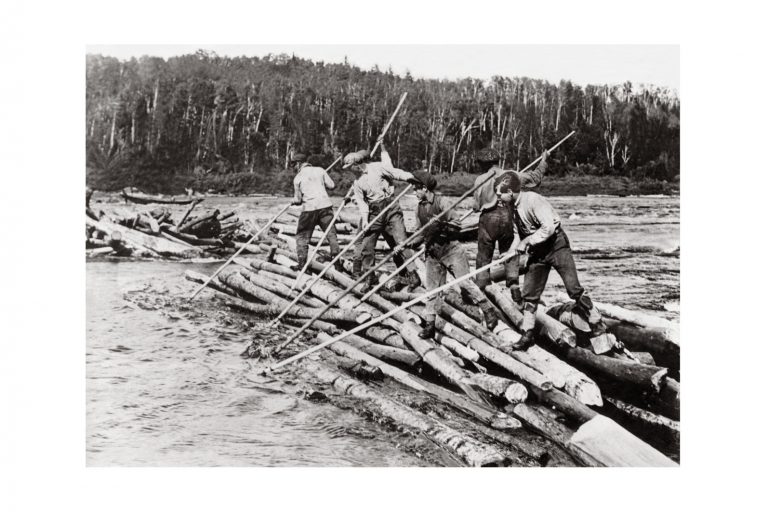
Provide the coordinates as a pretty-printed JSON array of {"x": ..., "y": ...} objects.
[
  {"x": 546, "y": 325},
  {"x": 437, "y": 360},
  {"x": 647, "y": 418},
  {"x": 266, "y": 281},
  {"x": 217, "y": 285},
  {"x": 469, "y": 450},
  {"x": 606, "y": 443},
  {"x": 643, "y": 376},
  {"x": 386, "y": 353},
  {"x": 318, "y": 327},
  {"x": 458, "y": 349},
  {"x": 564, "y": 403},
  {"x": 272, "y": 310},
  {"x": 653, "y": 340},
  {"x": 232, "y": 277},
  {"x": 385, "y": 336},
  {"x": 514, "y": 392},
  {"x": 250, "y": 248},
  {"x": 543, "y": 424}
]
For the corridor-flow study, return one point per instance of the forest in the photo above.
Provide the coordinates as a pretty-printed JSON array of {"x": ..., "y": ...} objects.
[{"x": 230, "y": 124}]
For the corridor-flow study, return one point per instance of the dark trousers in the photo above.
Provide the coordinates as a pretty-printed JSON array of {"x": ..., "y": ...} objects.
[
  {"x": 495, "y": 226},
  {"x": 392, "y": 228},
  {"x": 443, "y": 258},
  {"x": 555, "y": 252},
  {"x": 305, "y": 228}
]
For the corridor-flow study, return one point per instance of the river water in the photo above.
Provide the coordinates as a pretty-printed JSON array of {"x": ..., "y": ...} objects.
[{"x": 165, "y": 385}]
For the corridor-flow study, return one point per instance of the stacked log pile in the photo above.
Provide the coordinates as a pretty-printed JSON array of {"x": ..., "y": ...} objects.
[{"x": 602, "y": 409}]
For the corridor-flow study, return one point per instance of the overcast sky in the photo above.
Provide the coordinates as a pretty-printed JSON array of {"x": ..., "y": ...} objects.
[{"x": 582, "y": 64}]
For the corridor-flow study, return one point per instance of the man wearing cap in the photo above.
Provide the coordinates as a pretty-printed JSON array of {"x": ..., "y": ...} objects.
[
  {"x": 309, "y": 188},
  {"x": 443, "y": 252},
  {"x": 372, "y": 193},
  {"x": 537, "y": 231},
  {"x": 495, "y": 224}
]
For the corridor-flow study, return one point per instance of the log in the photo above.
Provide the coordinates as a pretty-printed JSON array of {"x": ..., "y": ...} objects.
[
  {"x": 250, "y": 248},
  {"x": 318, "y": 327},
  {"x": 265, "y": 281},
  {"x": 437, "y": 360},
  {"x": 543, "y": 424},
  {"x": 514, "y": 392},
  {"x": 607, "y": 444},
  {"x": 653, "y": 340},
  {"x": 271, "y": 310},
  {"x": 547, "y": 326},
  {"x": 485, "y": 414},
  {"x": 647, "y": 418},
  {"x": 560, "y": 374},
  {"x": 385, "y": 336},
  {"x": 643, "y": 376},
  {"x": 152, "y": 244},
  {"x": 197, "y": 277},
  {"x": 564, "y": 403},
  {"x": 232, "y": 277},
  {"x": 459, "y": 349},
  {"x": 467, "y": 449},
  {"x": 99, "y": 251},
  {"x": 384, "y": 352}
]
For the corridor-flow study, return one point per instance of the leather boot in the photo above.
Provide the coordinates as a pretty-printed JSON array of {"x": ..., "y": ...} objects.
[
  {"x": 517, "y": 296},
  {"x": 369, "y": 284},
  {"x": 357, "y": 267},
  {"x": 526, "y": 340},
  {"x": 428, "y": 332},
  {"x": 491, "y": 319}
]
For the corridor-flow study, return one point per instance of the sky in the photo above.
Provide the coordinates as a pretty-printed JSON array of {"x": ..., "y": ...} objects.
[{"x": 582, "y": 64}]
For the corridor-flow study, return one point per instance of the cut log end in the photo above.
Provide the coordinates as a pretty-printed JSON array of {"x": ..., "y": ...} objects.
[
  {"x": 659, "y": 378},
  {"x": 516, "y": 393}
]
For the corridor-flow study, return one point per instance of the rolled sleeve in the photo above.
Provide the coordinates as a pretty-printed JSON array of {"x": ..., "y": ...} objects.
[
  {"x": 329, "y": 184},
  {"x": 297, "y": 196},
  {"x": 532, "y": 179},
  {"x": 545, "y": 216}
]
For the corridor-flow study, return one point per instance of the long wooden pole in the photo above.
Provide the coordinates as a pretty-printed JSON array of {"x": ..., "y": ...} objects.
[
  {"x": 259, "y": 232},
  {"x": 391, "y": 313},
  {"x": 392, "y": 275},
  {"x": 338, "y": 256},
  {"x": 398, "y": 248},
  {"x": 389, "y": 123},
  {"x": 325, "y": 233}
]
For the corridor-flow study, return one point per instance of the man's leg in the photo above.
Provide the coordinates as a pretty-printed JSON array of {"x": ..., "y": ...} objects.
[
  {"x": 485, "y": 246},
  {"x": 304, "y": 229},
  {"x": 435, "y": 278},
  {"x": 562, "y": 261},
  {"x": 533, "y": 286},
  {"x": 324, "y": 220},
  {"x": 396, "y": 229},
  {"x": 455, "y": 259},
  {"x": 512, "y": 265}
]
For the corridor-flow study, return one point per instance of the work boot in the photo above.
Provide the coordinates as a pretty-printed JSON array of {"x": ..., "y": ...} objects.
[
  {"x": 491, "y": 319},
  {"x": 526, "y": 340},
  {"x": 357, "y": 267},
  {"x": 369, "y": 284},
  {"x": 297, "y": 267},
  {"x": 428, "y": 332},
  {"x": 413, "y": 280}
]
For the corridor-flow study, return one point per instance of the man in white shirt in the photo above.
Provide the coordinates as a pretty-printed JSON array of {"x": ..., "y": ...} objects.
[{"x": 309, "y": 188}]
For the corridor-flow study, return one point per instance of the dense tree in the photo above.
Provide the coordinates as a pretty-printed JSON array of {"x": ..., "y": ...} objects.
[{"x": 151, "y": 119}]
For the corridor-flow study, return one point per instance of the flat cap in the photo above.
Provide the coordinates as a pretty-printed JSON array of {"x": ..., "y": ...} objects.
[{"x": 425, "y": 179}]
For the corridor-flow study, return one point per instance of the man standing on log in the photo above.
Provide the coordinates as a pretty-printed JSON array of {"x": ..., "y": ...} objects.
[
  {"x": 443, "y": 253},
  {"x": 537, "y": 231},
  {"x": 309, "y": 187},
  {"x": 373, "y": 192},
  {"x": 495, "y": 224}
]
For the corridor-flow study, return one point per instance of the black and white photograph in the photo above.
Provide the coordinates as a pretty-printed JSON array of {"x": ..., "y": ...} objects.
[
  {"x": 382, "y": 257},
  {"x": 297, "y": 259}
]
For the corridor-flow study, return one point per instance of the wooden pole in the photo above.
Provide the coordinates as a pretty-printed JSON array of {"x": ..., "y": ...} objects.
[
  {"x": 325, "y": 233},
  {"x": 259, "y": 232},
  {"x": 392, "y": 275},
  {"x": 399, "y": 247},
  {"x": 389, "y": 123},
  {"x": 338, "y": 256},
  {"x": 386, "y": 315},
  {"x": 189, "y": 210}
]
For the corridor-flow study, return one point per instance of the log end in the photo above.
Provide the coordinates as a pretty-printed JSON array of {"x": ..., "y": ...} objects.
[
  {"x": 659, "y": 378},
  {"x": 364, "y": 317},
  {"x": 516, "y": 393},
  {"x": 567, "y": 337},
  {"x": 505, "y": 422}
]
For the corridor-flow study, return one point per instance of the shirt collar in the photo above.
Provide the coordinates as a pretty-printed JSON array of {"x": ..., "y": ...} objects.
[{"x": 430, "y": 198}]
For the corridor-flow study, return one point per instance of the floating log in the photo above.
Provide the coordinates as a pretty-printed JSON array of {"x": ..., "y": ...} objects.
[
  {"x": 318, "y": 327},
  {"x": 99, "y": 251},
  {"x": 459, "y": 349},
  {"x": 266, "y": 281},
  {"x": 606, "y": 443},
  {"x": 250, "y": 248},
  {"x": 564, "y": 403},
  {"x": 544, "y": 424},
  {"x": 653, "y": 340},
  {"x": 272, "y": 310},
  {"x": 647, "y": 418},
  {"x": 487, "y": 415},
  {"x": 385, "y": 336},
  {"x": 217, "y": 285},
  {"x": 232, "y": 277},
  {"x": 467, "y": 449},
  {"x": 437, "y": 360},
  {"x": 643, "y": 376},
  {"x": 514, "y": 392},
  {"x": 548, "y": 326},
  {"x": 387, "y": 353}
]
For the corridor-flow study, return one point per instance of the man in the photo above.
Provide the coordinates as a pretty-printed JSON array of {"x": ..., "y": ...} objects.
[
  {"x": 495, "y": 224},
  {"x": 443, "y": 253},
  {"x": 372, "y": 192},
  {"x": 537, "y": 231},
  {"x": 309, "y": 187}
]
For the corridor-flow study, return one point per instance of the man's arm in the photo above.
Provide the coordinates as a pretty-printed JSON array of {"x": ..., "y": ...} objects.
[
  {"x": 297, "y": 196},
  {"x": 329, "y": 184},
  {"x": 359, "y": 196},
  {"x": 390, "y": 171},
  {"x": 532, "y": 178},
  {"x": 545, "y": 215}
]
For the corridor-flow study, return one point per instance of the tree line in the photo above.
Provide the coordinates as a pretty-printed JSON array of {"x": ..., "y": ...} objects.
[{"x": 159, "y": 123}]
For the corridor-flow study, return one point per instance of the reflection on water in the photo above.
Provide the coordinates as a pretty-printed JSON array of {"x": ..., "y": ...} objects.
[{"x": 165, "y": 385}]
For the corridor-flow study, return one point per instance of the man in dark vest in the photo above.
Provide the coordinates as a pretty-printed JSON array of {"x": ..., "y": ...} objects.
[
  {"x": 443, "y": 253},
  {"x": 495, "y": 224},
  {"x": 537, "y": 231}
]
